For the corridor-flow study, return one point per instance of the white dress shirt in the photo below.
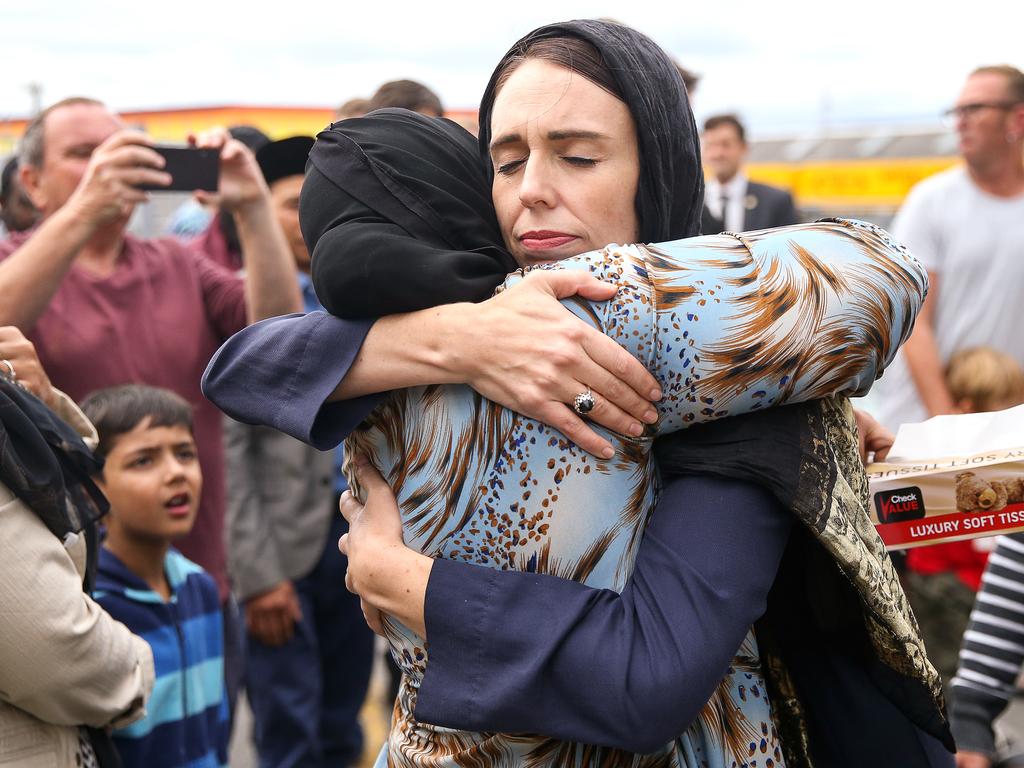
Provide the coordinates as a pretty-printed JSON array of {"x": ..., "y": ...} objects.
[{"x": 735, "y": 192}]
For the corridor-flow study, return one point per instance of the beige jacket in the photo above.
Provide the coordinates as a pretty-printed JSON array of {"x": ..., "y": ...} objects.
[{"x": 64, "y": 661}]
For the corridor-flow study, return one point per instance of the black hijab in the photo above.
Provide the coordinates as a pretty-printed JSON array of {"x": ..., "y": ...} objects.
[
  {"x": 671, "y": 190},
  {"x": 396, "y": 211}
]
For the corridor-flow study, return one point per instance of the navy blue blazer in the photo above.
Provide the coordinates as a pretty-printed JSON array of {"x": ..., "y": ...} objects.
[{"x": 765, "y": 207}]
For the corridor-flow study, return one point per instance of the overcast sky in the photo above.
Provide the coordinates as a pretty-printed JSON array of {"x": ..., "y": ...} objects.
[{"x": 786, "y": 66}]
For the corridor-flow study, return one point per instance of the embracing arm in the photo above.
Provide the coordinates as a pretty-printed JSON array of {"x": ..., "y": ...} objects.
[
  {"x": 630, "y": 670},
  {"x": 280, "y": 372},
  {"x": 289, "y": 372},
  {"x": 513, "y": 651}
]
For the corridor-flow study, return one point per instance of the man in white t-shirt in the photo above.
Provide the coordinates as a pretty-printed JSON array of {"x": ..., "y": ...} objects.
[{"x": 966, "y": 225}]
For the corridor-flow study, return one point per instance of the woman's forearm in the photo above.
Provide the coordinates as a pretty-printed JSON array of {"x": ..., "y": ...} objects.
[
  {"x": 521, "y": 349},
  {"x": 396, "y": 585},
  {"x": 408, "y": 350},
  {"x": 279, "y": 372},
  {"x": 538, "y": 647},
  {"x": 569, "y": 661}
]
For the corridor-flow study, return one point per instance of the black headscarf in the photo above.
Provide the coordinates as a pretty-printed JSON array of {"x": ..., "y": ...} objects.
[
  {"x": 671, "y": 190},
  {"x": 45, "y": 463},
  {"x": 397, "y": 213}
]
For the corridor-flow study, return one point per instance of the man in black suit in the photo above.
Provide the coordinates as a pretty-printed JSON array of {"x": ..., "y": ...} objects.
[{"x": 732, "y": 202}]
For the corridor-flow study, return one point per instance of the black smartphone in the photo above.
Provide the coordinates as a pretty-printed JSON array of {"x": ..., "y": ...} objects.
[{"x": 191, "y": 168}]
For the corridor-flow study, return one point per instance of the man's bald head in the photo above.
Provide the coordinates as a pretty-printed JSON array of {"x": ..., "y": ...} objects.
[
  {"x": 32, "y": 145},
  {"x": 55, "y": 149}
]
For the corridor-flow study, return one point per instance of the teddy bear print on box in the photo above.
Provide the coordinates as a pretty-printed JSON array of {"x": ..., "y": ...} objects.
[{"x": 975, "y": 494}]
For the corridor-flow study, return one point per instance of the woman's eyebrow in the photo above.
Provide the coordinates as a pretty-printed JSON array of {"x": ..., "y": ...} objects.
[
  {"x": 572, "y": 133},
  {"x": 575, "y": 134},
  {"x": 508, "y": 138}
]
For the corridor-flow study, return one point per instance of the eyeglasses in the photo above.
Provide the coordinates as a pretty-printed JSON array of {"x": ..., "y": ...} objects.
[{"x": 970, "y": 110}]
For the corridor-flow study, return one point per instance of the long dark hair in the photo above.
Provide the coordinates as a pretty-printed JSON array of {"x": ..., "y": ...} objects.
[{"x": 634, "y": 69}]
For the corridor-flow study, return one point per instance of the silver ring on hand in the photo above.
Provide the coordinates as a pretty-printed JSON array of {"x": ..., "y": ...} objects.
[
  {"x": 584, "y": 402},
  {"x": 10, "y": 368}
]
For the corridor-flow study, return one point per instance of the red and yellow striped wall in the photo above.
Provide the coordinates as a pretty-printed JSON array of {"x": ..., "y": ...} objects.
[
  {"x": 175, "y": 125},
  {"x": 823, "y": 185}
]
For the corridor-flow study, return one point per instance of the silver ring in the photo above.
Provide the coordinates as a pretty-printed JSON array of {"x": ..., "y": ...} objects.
[
  {"x": 10, "y": 368},
  {"x": 584, "y": 402}
]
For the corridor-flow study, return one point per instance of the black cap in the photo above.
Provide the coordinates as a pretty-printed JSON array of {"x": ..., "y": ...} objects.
[
  {"x": 250, "y": 135},
  {"x": 285, "y": 157}
]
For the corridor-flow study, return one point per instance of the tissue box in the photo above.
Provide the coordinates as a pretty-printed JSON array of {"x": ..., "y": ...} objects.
[
  {"x": 949, "y": 499},
  {"x": 976, "y": 490}
]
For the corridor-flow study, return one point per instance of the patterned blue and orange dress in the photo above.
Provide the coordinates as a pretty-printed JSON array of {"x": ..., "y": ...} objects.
[{"x": 728, "y": 324}]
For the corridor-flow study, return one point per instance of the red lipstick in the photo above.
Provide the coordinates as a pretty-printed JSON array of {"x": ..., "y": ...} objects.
[{"x": 545, "y": 239}]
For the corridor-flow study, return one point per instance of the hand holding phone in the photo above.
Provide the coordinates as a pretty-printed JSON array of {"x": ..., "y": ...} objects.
[
  {"x": 241, "y": 180},
  {"x": 191, "y": 169}
]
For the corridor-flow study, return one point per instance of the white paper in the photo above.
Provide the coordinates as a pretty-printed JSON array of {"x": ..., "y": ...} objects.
[{"x": 959, "y": 434}]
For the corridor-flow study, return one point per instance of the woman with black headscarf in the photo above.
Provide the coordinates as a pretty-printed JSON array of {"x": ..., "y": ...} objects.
[
  {"x": 400, "y": 216},
  {"x": 68, "y": 671},
  {"x": 525, "y": 699}
]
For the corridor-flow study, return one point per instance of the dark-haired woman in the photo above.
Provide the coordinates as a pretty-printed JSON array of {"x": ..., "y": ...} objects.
[{"x": 696, "y": 748}]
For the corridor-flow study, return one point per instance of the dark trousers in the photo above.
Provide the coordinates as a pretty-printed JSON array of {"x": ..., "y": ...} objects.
[
  {"x": 942, "y": 606},
  {"x": 234, "y": 655},
  {"x": 306, "y": 695}
]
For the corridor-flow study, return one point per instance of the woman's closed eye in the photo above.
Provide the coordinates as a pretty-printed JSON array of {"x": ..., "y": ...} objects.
[
  {"x": 509, "y": 167},
  {"x": 579, "y": 161}
]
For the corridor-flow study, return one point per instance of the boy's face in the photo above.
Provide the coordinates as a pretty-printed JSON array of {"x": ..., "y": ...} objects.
[{"x": 152, "y": 479}]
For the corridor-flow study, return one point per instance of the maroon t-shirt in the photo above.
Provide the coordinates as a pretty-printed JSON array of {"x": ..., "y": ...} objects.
[
  {"x": 156, "y": 319},
  {"x": 212, "y": 244}
]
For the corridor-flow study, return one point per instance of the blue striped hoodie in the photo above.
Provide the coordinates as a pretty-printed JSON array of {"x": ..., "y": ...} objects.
[{"x": 186, "y": 725}]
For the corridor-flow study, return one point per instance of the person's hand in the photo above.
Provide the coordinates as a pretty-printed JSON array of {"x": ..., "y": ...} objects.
[
  {"x": 373, "y": 528},
  {"x": 270, "y": 616},
  {"x": 109, "y": 189},
  {"x": 872, "y": 436},
  {"x": 373, "y": 617},
  {"x": 241, "y": 180},
  {"x": 972, "y": 760},
  {"x": 20, "y": 356},
  {"x": 533, "y": 356},
  {"x": 381, "y": 518},
  {"x": 388, "y": 576}
]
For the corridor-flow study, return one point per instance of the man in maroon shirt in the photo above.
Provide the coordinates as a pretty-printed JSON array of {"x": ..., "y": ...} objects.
[{"x": 103, "y": 307}]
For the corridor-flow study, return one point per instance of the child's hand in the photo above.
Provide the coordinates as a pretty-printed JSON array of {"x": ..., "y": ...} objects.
[
  {"x": 874, "y": 438},
  {"x": 270, "y": 617}
]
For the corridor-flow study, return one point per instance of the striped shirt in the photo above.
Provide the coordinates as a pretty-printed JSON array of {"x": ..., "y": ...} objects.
[
  {"x": 993, "y": 649},
  {"x": 186, "y": 722}
]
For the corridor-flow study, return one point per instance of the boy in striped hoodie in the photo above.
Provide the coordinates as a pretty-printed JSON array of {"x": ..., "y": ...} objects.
[{"x": 152, "y": 479}]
